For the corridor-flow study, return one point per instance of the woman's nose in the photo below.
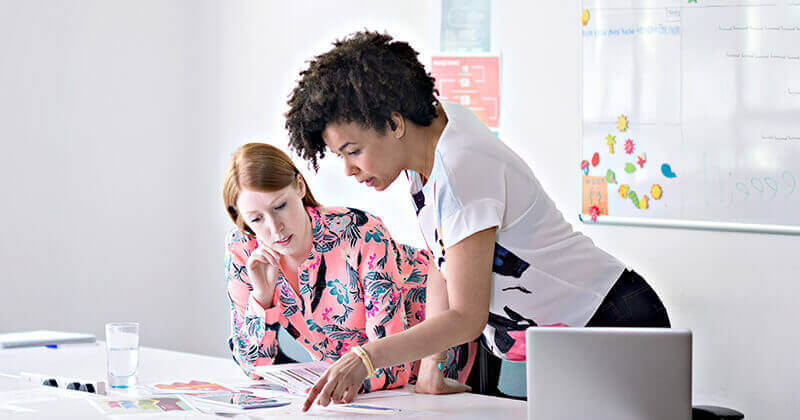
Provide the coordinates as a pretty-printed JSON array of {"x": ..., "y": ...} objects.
[
  {"x": 275, "y": 226},
  {"x": 350, "y": 169}
]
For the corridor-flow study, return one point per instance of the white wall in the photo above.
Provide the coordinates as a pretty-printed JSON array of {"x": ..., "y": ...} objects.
[
  {"x": 110, "y": 198},
  {"x": 121, "y": 198}
]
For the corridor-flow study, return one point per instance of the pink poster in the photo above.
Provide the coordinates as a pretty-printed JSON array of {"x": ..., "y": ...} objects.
[{"x": 470, "y": 81}]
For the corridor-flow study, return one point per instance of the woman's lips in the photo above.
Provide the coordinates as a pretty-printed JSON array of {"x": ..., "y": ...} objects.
[{"x": 285, "y": 241}]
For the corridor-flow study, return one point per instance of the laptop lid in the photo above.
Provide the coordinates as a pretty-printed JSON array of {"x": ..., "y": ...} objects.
[{"x": 609, "y": 373}]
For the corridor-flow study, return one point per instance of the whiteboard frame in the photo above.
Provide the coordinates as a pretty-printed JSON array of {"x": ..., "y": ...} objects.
[
  {"x": 654, "y": 222},
  {"x": 691, "y": 225}
]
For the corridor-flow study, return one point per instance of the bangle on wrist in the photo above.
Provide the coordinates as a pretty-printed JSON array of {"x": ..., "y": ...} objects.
[
  {"x": 362, "y": 354},
  {"x": 439, "y": 360}
]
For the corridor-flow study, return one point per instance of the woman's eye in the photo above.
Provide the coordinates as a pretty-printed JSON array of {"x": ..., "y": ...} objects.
[
  {"x": 255, "y": 220},
  {"x": 281, "y": 206},
  {"x": 354, "y": 152}
]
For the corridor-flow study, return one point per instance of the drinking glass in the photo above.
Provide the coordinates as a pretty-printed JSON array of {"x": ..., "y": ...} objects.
[{"x": 122, "y": 352}]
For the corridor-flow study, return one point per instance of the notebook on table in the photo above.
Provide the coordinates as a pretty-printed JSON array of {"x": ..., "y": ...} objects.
[{"x": 42, "y": 338}]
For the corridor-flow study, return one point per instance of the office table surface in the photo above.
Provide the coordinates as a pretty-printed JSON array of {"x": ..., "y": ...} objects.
[{"x": 89, "y": 361}]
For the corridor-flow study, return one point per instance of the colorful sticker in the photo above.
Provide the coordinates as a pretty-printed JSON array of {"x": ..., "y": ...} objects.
[
  {"x": 611, "y": 177},
  {"x": 634, "y": 198},
  {"x": 643, "y": 203},
  {"x": 623, "y": 190},
  {"x": 596, "y": 159},
  {"x": 585, "y": 167},
  {"x": 629, "y": 147},
  {"x": 642, "y": 159},
  {"x": 656, "y": 191},
  {"x": 595, "y": 194},
  {"x": 611, "y": 141},
  {"x": 594, "y": 211},
  {"x": 666, "y": 169},
  {"x": 585, "y": 17},
  {"x": 630, "y": 168},
  {"x": 622, "y": 123}
]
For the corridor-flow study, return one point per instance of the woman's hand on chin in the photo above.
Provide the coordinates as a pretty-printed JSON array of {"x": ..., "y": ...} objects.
[{"x": 262, "y": 268}]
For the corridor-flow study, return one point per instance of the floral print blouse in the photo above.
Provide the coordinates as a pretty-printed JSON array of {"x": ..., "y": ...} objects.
[{"x": 356, "y": 285}]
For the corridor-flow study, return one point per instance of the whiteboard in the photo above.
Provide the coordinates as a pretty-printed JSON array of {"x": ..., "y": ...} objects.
[{"x": 710, "y": 91}]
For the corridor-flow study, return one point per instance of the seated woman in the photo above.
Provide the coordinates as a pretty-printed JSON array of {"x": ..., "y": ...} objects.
[{"x": 333, "y": 277}]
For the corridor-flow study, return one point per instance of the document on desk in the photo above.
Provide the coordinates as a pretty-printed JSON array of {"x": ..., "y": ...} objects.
[
  {"x": 192, "y": 387},
  {"x": 369, "y": 409},
  {"x": 296, "y": 377},
  {"x": 10, "y": 401},
  {"x": 173, "y": 403},
  {"x": 38, "y": 394}
]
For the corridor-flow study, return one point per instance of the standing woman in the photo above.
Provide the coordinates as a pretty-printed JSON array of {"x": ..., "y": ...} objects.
[
  {"x": 509, "y": 259},
  {"x": 332, "y": 276}
]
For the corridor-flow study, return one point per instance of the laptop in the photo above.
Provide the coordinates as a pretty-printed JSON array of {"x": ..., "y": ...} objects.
[{"x": 609, "y": 373}]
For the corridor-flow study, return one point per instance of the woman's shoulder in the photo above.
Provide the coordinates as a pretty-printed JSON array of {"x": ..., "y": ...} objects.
[
  {"x": 347, "y": 216},
  {"x": 239, "y": 243},
  {"x": 349, "y": 227}
]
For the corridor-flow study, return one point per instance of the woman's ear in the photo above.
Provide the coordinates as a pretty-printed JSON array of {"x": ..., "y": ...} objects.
[
  {"x": 301, "y": 185},
  {"x": 397, "y": 125}
]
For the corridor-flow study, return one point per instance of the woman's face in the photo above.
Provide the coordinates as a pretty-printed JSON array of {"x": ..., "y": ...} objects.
[
  {"x": 369, "y": 157},
  {"x": 278, "y": 218}
]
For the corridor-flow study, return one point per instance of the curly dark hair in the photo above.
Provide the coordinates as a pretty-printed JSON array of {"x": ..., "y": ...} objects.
[{"x": 364, "y": 79}]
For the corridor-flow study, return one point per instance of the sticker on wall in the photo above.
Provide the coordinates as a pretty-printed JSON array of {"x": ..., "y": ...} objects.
[
  {"x": 656, "y": 191},
  {"x": 594, "y": 211},
  {"x": 642, "y": 159},
  {"x": 630, "y": 168},
  {"x": 595, "y": 193},
  {"x": 666, "y": 169},
  {"x": 643, "y": 203},
  {"x": 622, "y": 123},
  {"x": 623, "y": 190},
  {"x": 611, "y": 141},
  {"x": 596, "y": 159},
  {"x": 634, "y": 198},
  {"x": 585, "y": 17},
  {"x": 629, "y": 147},
  {"x": 611, "y": 177},
  {"x": 585, "y": 167}
]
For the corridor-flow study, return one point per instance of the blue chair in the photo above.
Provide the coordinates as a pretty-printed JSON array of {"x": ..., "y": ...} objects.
[
  {"x": 512, "y": 380},
  {"x": 290, "y": 348}
]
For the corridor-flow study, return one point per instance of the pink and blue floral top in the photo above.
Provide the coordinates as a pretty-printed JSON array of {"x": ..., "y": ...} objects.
[{"x": 356, "y": 285}]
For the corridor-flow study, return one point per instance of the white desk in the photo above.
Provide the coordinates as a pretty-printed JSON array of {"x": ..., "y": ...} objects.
[{"x": 88, "y": 360}]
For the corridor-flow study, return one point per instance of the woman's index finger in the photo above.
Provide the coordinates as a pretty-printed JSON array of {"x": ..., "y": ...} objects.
[{"x": 315, "y": 390}]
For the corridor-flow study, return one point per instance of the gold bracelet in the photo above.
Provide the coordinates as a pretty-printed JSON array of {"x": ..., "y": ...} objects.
[{"x": 362, "y": 354}]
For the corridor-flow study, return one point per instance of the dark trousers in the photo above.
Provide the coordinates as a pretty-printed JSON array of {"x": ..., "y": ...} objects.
[{"x": 631, "y": 302}]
